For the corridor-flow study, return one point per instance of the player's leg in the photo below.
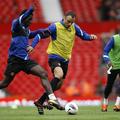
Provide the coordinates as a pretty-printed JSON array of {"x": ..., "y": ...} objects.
[
  {"x": 35, "y": 69},
  {"x": 41, "y": 100},
  {"x": 58, "y": 75},
  {"x": 117, "y": 102},
  {"x": 57, "y": 81},
  {"x": 38, "y": 71},
  {"x": 108, "y": 89},
  {"x": 64, "y": 66},
  {"x": 54, "y": 65},
  {"x": 44, "y": 97},
  {"x": 12, "y": 69},
  {"x": 53, "y": 83},
  {"x": 5, "y": 81}
]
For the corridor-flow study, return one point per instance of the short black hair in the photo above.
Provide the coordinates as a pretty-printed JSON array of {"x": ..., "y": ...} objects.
[{"x": 70, "y": 13}]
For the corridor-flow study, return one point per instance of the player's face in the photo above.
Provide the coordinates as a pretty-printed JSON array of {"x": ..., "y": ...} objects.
[{"x": 68, "y": 21}]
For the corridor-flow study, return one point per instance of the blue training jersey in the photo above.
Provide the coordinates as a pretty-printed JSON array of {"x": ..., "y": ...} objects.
[{"x": 21, "y": 35}]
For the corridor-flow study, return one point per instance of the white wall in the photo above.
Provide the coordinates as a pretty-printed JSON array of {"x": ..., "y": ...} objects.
[{"x": 51, "y": 10}]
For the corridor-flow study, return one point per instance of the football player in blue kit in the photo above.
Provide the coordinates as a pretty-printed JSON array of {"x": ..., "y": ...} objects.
[{"x": 18, "y": 56}]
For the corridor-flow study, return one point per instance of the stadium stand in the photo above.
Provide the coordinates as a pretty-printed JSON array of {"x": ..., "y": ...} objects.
[
  {"x": 86, "y": 10},
  {"x": 83, "y": 65},
  {"x": 14, "y": 7}
]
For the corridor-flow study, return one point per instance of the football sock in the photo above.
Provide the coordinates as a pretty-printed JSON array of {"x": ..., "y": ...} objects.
[
  {"x": 43, "y": 98},
  {"x": 52, "y": 96},
  {"x": 53, "y": 83},
  {"x": 117, "y": 101},
  {"x": 105, "y": 101}
]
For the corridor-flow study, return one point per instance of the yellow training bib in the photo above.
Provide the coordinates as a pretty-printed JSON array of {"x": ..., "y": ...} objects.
[{"x": 63, "y": 44}]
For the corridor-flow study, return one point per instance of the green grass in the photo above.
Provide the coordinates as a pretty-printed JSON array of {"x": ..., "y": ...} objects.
[{"x": 30, "y": 113}]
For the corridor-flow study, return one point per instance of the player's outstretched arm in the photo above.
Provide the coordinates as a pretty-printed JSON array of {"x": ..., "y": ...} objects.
[
  {"x": 44, "y": 33},
  {"x": 84, "y": 35},
  {"x": 27, "y": 13}
]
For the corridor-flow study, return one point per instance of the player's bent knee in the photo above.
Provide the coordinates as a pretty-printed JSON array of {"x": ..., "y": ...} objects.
[
  {"x": 58, "y": 72},
  {"x": 59, "y": 76}
]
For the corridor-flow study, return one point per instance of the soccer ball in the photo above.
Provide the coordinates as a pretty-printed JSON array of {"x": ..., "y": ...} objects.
[{"x": 71, "y": 108}]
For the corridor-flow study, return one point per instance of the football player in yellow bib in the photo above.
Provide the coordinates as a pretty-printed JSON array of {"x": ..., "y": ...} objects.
[{"x": 59, "y": 51}]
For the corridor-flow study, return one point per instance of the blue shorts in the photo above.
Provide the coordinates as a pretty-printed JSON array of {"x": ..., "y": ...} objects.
[{"x": 55, "y": 63}]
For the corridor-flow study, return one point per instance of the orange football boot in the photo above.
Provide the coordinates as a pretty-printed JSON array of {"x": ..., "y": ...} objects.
[{"x": 104, "y": 108}]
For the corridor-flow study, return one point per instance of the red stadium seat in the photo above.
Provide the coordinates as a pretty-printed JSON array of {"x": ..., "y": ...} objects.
[
  {"x": 86, "y": 10},
  {"x": 11, "y": 9}
]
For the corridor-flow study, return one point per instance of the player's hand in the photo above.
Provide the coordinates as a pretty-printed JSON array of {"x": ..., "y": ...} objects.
[
  {"x": 93, "y": 36},
  {"x": 32, "y": 7},
  {"x": 29, "y": 49}
]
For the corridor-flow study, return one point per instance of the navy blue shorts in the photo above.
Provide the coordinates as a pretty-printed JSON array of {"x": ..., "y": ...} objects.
[{"x": 55, "y": 63}]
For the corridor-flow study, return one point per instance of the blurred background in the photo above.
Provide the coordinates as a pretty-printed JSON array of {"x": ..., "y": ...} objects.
[{"x": 86, "y": 76}]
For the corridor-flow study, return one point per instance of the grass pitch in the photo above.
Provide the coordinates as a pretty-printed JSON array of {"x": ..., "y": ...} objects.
[{"x": 84, "y": 113}]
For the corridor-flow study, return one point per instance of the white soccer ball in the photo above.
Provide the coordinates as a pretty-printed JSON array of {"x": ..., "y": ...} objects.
[{"x": 71, "y": 108}]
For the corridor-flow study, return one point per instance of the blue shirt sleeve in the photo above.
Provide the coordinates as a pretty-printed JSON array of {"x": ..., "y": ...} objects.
[
  {"x": 52, "y": 29},
  {"x": 36, "y": 40},
  {"x": 26, "y": 15},
  {"x": 107, "y": 49},
  {"x": 17, "y": 23},
  {"x": 82, "y": 34},
  {"x": 44, "y": 33}
]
